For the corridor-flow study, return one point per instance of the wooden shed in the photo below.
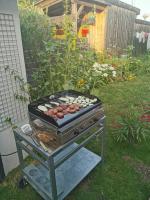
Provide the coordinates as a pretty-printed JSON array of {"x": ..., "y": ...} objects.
[{"x": 104, "y": 23}]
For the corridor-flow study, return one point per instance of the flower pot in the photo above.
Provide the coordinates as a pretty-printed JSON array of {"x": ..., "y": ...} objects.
[
  {"x": 85, "y": 32},
  {"x": 59, "y": 32}
]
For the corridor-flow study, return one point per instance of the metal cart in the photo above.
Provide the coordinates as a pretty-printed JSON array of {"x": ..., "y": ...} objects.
[{"x": 59, "y": 172}]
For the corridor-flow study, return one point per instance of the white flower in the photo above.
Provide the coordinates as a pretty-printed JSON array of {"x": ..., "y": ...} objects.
[
  {"x": 99, "y": 72},
  {"x": 114, "y": 73},
  {"x": 81, "y": 56},
  {"x": 105, "y": 75},
  {"x": 104, "y": 65},
  {"x": 96, "y": 65},
  {"x": 102, "y": 69},
  {"x": 111, "y": 68}
]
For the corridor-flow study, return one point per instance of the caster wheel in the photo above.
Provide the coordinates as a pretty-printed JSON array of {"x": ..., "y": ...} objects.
[{"x": 22, "y": 183}]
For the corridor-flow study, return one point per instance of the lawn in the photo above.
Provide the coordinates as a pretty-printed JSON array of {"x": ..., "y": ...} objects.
[{"x": 125, "y": 174}]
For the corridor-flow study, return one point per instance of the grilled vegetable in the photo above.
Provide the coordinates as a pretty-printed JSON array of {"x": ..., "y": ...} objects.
[{"x": 42, "y": 108}]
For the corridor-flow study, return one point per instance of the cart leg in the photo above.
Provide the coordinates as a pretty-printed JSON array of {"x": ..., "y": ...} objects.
[
  {"x": 22, "y": 182},
  {"x": 20, "y": 154},
  {"x": 102, "y": 140},
  {"x": 52, "y": 178}
]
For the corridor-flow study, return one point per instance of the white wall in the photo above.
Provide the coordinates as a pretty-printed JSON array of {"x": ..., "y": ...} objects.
[{"x": 7, "y": 142}]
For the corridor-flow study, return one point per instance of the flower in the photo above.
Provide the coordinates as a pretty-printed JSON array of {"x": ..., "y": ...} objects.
[
  {"x": 96, "y": 65},
  {"x": 81, "y": 83},
  {"x": 111, "y": 68},
  {"x": 80, "y": 56},
  {"x": 105, "y": 75},
  {"x": 114, "y": 73},
  {"x": 131, "y": 77}
]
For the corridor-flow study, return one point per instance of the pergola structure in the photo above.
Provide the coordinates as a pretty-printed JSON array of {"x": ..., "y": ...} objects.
[
  {"x": 79, "y": 9},
  {"x": 109, "y": 22}
]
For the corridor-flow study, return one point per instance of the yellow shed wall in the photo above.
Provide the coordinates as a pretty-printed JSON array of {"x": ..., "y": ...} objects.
[{"x": 97, "y": 32}]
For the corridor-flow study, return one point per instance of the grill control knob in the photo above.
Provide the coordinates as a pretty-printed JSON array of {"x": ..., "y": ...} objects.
[{"x": 76, "y": 132}]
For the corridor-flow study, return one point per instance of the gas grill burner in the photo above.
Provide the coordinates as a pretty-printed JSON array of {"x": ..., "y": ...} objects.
[{"x": 62, "y": 116}]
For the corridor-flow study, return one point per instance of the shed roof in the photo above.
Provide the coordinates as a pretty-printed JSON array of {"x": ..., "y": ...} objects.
[
  {"x": 106, "y": 3},
  {"x": 140, "y": 21},
  {"x": 124, "y": 5}
]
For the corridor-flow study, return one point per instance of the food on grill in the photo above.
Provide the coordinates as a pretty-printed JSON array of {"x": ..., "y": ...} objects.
[
  {"x": 54, "y": 111},
  {"x": 63, "y": 98},
  {"x": 42, "y": 108},
  {"x": 83, "y": 101},
  {"x": 70, "y": 105},
  {"x": 54, "y": 103},
  {"x": 65, "y": 112},
  {"x": 77, "y": 108},
  {"x": 63, "y": 107},
  {"x": 48, "y": 106},
  {"x": 59, "y": 109},
  {"x": 72, "y": 110},
  {"x": 50, "y": 112},
  {"x": 60, "y": 115}
]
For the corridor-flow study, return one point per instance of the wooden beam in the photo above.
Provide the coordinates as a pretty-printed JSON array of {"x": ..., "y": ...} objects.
[
  {"x": 74, "y": 12},
  {"x": 80, "y": 11},
  {"x": 59, "y": 19},
  {"x": 48, "y": 3},
  {"x": 91, "y": 5}
]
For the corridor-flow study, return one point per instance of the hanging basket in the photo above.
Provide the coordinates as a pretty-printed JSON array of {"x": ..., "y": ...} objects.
[
  {"x": 85, "y": 32},
  {"x": 91, "y": 20},
  {"x": 59, "y": 32}
]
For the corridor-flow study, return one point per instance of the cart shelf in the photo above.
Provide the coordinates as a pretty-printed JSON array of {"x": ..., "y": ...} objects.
[
  {"x": 59, "y": 172},
  {"x": 68, "y": 175}
]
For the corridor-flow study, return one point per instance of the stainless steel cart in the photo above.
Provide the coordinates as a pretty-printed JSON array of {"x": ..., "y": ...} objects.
[{"x": 54, "y": 175}]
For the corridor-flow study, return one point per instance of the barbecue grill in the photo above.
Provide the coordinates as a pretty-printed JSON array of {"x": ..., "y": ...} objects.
[
  {"x": 70, "y": 125},
  {"x": 63, "y": 162}
]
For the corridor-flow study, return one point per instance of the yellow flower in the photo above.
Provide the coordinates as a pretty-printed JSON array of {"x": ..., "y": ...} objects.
[
  {"x": 81, "y": 83},
  {"x": 131, "y": 77}
]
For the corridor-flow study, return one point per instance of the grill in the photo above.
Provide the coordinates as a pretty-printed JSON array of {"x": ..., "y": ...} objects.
[
  {"x": 62, "y": 116},
  {"x": 59, "y": 122}
]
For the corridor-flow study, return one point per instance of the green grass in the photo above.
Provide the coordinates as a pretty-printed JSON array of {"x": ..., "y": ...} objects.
[{"x": 116, "y": 179}]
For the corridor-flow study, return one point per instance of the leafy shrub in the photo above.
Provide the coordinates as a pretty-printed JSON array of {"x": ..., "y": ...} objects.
[
  {"x": 62, "y": 64},
  {"x": 130, "y": 129},
  {"x": 127, "y": 66},
  {"x": 130, "y": 68},
  {"x": 50, "y": 74},
  {"x": 35, "y": 26}
]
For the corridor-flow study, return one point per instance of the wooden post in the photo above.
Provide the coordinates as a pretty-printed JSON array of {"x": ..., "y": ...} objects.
[{"x": 74, "y": 13}]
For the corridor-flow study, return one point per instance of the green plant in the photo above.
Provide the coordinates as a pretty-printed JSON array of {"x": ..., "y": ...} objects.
[
  {"x": 129, "y": 51},
  {"x": 8, "y": 120},
  {"x": 62, "y": 64},
  {"x": 23, "y": 93},
  {"x": 130, "y": 128},
  {"x": 35, "y": 26},
  {"x": 50, "y": 75}
]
